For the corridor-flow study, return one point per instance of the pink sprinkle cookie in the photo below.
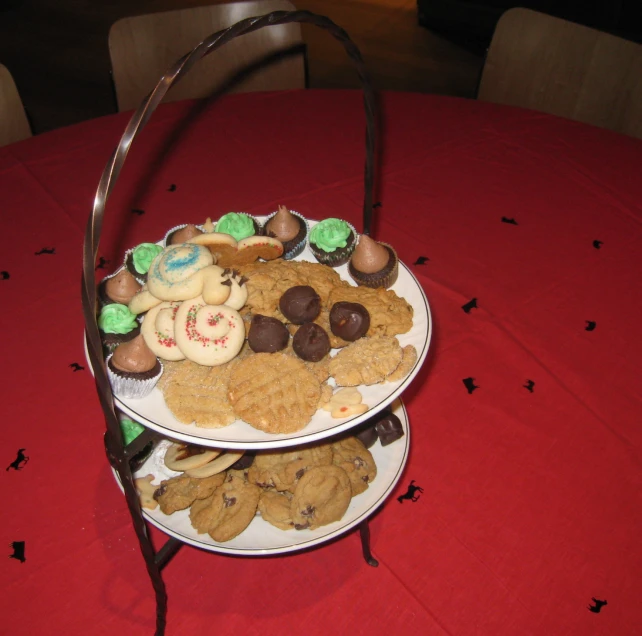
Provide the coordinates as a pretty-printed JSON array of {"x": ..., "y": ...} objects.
[
  {"x": 208, "y": 334},
  {"x": 158, "y": 331}
]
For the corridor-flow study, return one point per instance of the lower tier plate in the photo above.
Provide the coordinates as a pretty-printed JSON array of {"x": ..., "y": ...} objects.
[{"x": 262, "y": 538}]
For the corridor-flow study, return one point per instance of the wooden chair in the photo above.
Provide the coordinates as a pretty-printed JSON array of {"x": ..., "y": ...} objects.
[
  {"x": 555, "y": 66},
  {"x": 143, "y": 48},
  {"x": 14, "y": 125}
]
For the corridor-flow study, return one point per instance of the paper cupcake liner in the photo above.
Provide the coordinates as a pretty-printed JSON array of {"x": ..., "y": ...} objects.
[
  {"x": 141, "y": 278},
  {"x": 178, "y": 227},
  {"x": 131, "y": 387},
  {"x": 338, "y": 257},
  {"x": 294, "y": 251},
  {"x": 112, "y": 340},
  {"x": 386, "y": 278}
]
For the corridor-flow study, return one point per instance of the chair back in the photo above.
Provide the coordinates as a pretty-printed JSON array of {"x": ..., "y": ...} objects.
[
  {"x": 14, "y": 125},
  {"x": 142, "y": 48},
  {"x": 548, "y": 64}
]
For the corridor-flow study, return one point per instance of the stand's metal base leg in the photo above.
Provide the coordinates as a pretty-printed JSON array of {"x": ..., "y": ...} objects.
[{"x": 364, "y": 531}]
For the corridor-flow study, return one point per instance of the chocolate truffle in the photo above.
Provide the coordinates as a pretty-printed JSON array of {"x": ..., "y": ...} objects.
[
  {"x": 366, "y": 434},
  {"x": 311, "y": 342},
  {"x": 389, "y": 429},
  {"x": 300, "y": 304},
  {"x": 267, "y": 335},
  {"x": 349, "y": 321}
]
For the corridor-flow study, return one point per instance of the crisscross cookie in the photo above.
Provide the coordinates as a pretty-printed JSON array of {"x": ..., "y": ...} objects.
[{"x": 274, "y": 392}]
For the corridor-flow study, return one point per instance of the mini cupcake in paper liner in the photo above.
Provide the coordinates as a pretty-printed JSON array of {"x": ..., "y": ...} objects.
[
  {"x": 117, "y": 325},
  {"x": 139, "y": 259},
  {"x": 289, "y": 227},
  {"x": 119, "y": 287},
  {"x": 332, "y": 241},
  {"x": 133, "y": 369},
  {"x": 373, "y": 264},
  {"x": 240, "y": 225},
  {"x": 182, "y": 234}
]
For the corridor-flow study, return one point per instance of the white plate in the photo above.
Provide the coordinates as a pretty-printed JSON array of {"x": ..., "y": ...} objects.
[
  {"x": 262, "y": 538},
  {"x": 152, "y": 412}
]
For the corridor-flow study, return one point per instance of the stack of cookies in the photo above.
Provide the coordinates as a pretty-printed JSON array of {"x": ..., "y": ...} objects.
[{"x": 302, "y": 488}]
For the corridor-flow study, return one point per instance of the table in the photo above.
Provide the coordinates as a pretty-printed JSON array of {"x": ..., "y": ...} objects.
[{"x": 525, "y": 232}]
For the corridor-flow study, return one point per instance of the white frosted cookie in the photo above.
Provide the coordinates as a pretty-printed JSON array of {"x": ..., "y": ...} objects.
[
  {"x": 172, "y": 274},
  {"x": 158, "y": 331},
  {"x": 208, "y": 334}
]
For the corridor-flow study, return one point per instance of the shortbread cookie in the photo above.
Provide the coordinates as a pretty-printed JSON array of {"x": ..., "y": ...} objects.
[
  {"x": 228, "y": 511},
  {"x": 389, "y": 314},
  {"x": 366, "y": 361},
  {"x": 217, "y": 465},
  {"x": 408, "y": 360},
  {"x": 322, "y": 496},
  {"x": 182, "y": 456},
  {"x": 145, "y": 491},
  {"x": 281, "y": 470},
  {"x": 222, "y": 246},
  {"x": 274, "y": 392},
  {"x": 275, "y": 509},
  {"x": 181, "y": 492},
  {"x": 351, "y": 455}
]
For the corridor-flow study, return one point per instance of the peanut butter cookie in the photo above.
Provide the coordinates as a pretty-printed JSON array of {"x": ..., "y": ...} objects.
[
  {"x": 366, "y": 361},
  {"x": 390, "y": 315},
  {"x": 274, "y": 392}
]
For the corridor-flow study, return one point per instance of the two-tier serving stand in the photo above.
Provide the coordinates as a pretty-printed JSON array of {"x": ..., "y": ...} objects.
[{"x": 118, "y": 453}]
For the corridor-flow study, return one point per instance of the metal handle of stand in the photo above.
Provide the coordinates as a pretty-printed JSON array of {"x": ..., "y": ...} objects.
[{"x": 113, "y": 436}]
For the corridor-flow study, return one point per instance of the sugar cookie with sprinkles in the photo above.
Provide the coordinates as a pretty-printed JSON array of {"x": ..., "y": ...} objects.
[{"x": 208, "y": 334}]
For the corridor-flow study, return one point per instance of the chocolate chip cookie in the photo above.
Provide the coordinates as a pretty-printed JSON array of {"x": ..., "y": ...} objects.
[{"x": 322, "y": 496}]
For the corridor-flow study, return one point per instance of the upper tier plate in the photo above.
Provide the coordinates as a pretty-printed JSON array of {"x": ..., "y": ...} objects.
[{"x": 152, "y": 412}]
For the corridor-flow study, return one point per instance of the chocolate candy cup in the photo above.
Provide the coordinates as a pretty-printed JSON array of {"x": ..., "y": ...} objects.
[
  {"x": 267, "y": 335},
  {"x": 311, "y": 342},
  {"x": 300, "y": 304},
  {"x": 349, "y": 321}
]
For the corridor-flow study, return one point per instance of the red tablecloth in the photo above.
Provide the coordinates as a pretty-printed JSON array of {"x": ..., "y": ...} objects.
[{"x": 531, "y": 503}]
